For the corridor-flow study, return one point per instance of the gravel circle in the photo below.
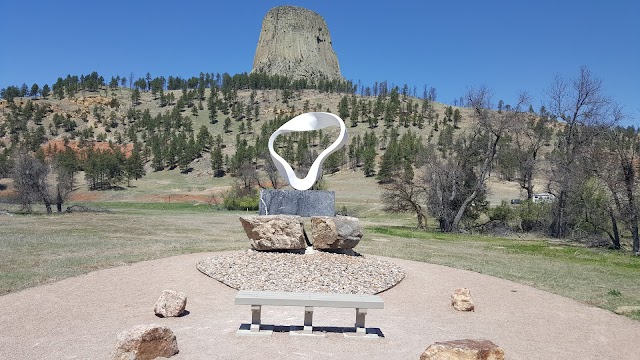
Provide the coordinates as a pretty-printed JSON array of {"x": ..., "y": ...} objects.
[{"x": 318, "y": 272}]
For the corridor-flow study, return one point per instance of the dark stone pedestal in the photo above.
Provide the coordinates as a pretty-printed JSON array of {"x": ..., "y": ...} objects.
[{"x": 304, "y": 203}]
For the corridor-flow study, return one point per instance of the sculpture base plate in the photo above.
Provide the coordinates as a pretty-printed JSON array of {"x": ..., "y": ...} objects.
[{"x": 304, "y": 203}]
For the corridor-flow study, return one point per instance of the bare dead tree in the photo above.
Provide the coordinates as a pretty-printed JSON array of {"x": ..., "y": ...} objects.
[
  {"x": 456, "y": 181},
  {"x": 65, "y": 183},
  {"x": 247, "y": 176},
  {"x": 615, "y": 162},
  {"x": 403, "y": 194},
  {"x": 272, "y": 174},
  {"x": 585, "y": 113},
  {"x": 29, "y": 176},
  {"x": 445, "y": 182},
  {"x": 529, "y": 135},
  {"x": 493, "y": 126}
]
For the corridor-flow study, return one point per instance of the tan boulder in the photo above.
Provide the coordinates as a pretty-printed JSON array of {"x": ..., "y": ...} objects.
[
  {"x": 466, "y": 349},
  {"x": 170, "y": 304},
  {"x": 144, "y": 342},
  {"x": 335, "y": 232},
  {"x": 275, "y": 232},
  {"x": 461, "y": 300}
]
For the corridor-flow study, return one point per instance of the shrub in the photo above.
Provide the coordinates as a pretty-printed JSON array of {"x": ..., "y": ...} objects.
[
  {"x": 241, "y": 199},
  {"x": 534, "y": 216},
  {"x": 503, "y": 212}
]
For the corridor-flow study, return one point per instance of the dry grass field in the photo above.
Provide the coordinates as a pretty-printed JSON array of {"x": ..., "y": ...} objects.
[{"x": 168, "y": 213}]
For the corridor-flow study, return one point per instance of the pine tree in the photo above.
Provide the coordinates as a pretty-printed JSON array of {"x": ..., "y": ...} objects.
[
  {"x": 134, "y": 166},
  {"x": 217, "y": 163},
  {"x": 45, "y": 91},
  {"x": 457, "y": 117},
  {"x": 204, "y": 139},
  {"x": 135, "y": 96},
  {"x": 226, "y": 127},
  {"x": 343, "y": 108},
  {"x": 34, "y": 90},
  {"x": 369, "y": 158}
]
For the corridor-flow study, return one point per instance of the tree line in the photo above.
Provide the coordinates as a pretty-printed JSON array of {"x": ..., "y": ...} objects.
[
  {"x": 421, "y": 157},
  {"x": 588, "y": 164}
]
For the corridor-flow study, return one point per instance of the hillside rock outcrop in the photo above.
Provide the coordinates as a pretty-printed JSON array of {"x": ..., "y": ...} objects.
[{"x": 295, "y": 41}]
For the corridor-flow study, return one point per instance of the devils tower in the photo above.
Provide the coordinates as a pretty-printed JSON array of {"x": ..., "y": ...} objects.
[{"x": 295, "y": 42}]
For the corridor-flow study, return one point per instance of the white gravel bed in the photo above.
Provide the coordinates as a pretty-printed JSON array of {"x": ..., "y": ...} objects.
[{"x": 318, "y": 272}]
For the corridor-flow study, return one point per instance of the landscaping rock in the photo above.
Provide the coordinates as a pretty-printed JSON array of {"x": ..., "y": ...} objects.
[
  {"x": 170, "y": 304},
  {"x": 335, "y": 232},
  {"x": 144, "y": 342},
  {"x": 275, "y": 232},
  {"x": 461, "y": 300},
  {"x": 466, "y": 349}
]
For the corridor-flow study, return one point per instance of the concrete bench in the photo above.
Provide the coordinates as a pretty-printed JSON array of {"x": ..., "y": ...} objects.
[{"x": 309, "y": 300}]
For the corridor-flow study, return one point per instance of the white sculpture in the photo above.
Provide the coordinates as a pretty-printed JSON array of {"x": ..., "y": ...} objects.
[{"x": 307, "y": 122}]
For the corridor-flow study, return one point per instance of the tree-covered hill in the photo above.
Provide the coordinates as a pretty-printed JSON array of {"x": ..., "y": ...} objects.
[{"x": 429, "y": 158}]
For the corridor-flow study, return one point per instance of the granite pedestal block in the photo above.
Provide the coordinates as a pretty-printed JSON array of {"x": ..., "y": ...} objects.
[{"x": 304, "y": 203}]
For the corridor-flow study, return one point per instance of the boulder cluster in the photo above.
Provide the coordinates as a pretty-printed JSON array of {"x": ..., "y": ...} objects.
[{"x": 287, "y": 232}]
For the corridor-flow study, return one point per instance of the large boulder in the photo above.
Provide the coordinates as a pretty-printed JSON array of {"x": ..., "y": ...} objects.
[
  {"x": 275, "y": 232},
  {"x": 295, "y": 42},
  {"x": 170, "y": 304},
  {"x": 335, "y": 232},
  {"x": 144, "y": 342},
  {"x": 466, "y": 349},
  {"x": 461, "y": 300}
]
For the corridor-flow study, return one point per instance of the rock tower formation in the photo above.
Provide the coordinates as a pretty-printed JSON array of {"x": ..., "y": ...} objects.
[{"x": 295, "y": 41}]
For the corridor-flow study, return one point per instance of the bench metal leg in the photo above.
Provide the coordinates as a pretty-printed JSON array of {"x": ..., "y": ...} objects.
[
  {"x": 254, "y": 329},
  {"x": 360, "y": 317},
  {"x": 308, "y": 319},
  {"x": 255, "y": 318}
]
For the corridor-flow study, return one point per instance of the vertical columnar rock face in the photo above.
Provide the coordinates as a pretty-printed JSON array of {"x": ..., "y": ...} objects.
[{"x": 296, "y": 42}]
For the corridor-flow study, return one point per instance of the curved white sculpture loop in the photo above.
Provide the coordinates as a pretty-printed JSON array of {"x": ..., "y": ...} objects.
[{"x": 307, "y": 122}]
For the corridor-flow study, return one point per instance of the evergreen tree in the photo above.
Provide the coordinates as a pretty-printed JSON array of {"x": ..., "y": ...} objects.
[
  {"x": 369, "y": 158},
  {"x": 389, "y": 116},
  {"x": 204, "y": 139},
  {"x": 457, "y": 117},
  {"x": 45, "y": 91},
  {"x": 135, "y": 97},
  {"x": 217, "y": 164},
  {"x": 134, "y": 166},
  {"x": 343, "y": 108},
  {"x": 34, "y": 90},
  {"x": 226, "y": 127}
]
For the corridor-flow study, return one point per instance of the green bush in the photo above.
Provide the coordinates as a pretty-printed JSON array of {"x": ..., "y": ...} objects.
[
  {"x": 236, "y": 199},
  {"x": 534, "y": 216},
  {"x": 503, "y": 212}
]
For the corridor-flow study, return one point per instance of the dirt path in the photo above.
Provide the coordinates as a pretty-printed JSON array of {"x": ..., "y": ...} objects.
[{"x": 79, "y": 318}]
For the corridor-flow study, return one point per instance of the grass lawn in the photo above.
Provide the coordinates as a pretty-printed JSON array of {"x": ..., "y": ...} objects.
[
  {"x": 600, "y": 277},
  {"x": 38, "y": 249}
]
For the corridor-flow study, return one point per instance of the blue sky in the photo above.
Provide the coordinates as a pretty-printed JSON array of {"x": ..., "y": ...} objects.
[{"x": 451, "y": 45}]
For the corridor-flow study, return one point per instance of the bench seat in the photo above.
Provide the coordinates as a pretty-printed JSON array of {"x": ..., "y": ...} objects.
[{"x": 360, "y": 302}]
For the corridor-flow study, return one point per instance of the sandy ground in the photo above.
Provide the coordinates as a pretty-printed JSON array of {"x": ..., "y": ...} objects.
[{"x": 79, "y": 318}]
